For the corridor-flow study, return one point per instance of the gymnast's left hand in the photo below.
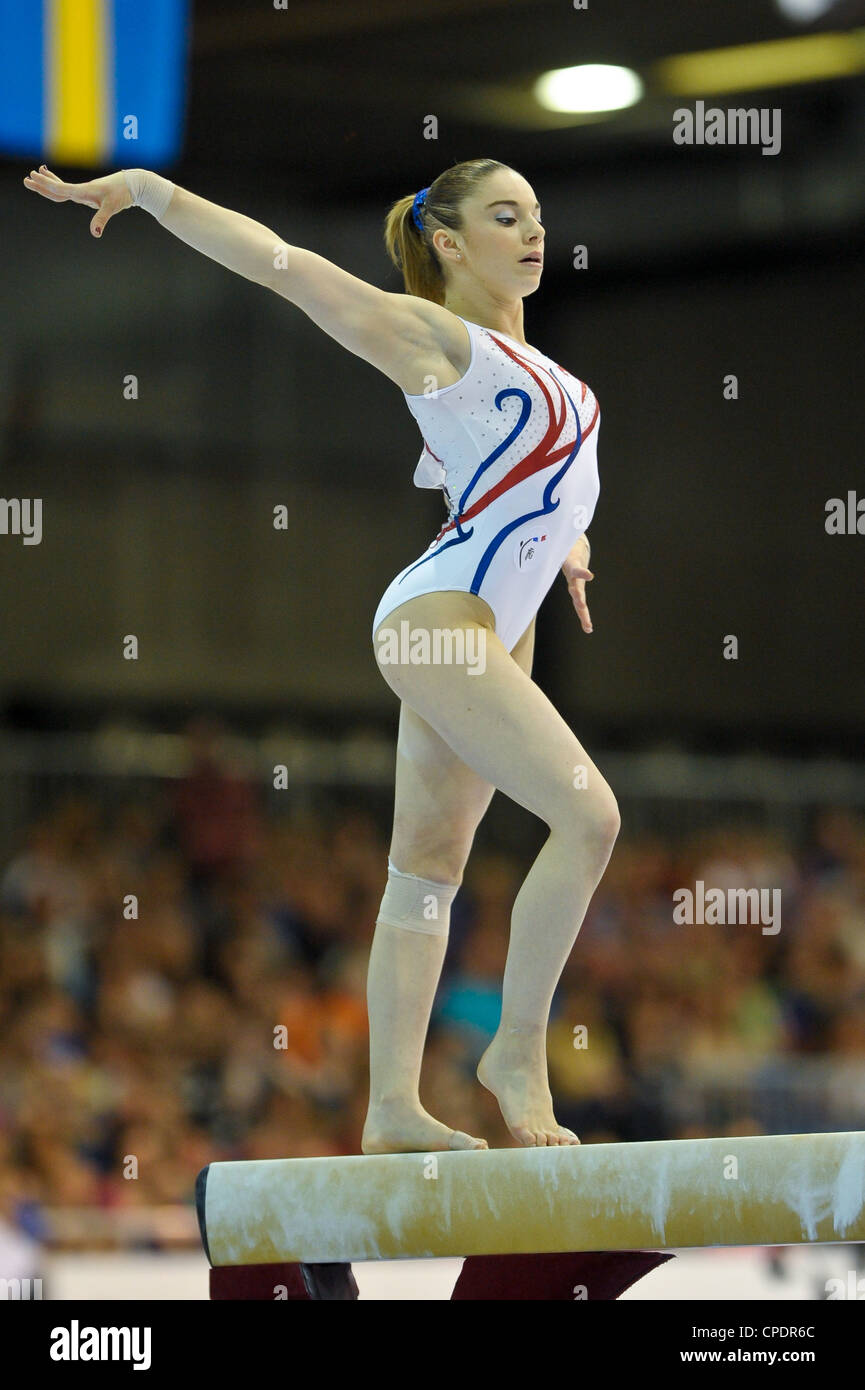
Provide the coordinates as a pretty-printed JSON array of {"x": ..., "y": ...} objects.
[
  {"x": 576, "y": 571},
  {"x": 109, "y": 194}
]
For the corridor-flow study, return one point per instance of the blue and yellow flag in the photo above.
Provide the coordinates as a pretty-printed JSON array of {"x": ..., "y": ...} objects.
[{"x": 93, "y": 82}]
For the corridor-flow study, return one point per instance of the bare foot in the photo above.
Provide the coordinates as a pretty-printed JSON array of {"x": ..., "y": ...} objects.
[
  {"x": 514, "y": 1068},
  {"x": 398, "y": 1128}
]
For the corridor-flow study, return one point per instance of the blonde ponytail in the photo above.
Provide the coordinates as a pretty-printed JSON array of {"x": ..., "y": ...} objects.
[{"x": 411, "y": 249}]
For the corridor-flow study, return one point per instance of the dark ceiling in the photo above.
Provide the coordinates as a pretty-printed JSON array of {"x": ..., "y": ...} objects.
[{"x": 332, "y": 94}]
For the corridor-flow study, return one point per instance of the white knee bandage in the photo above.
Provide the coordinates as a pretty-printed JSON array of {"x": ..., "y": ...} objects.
[{"x": 416, "y": 904}]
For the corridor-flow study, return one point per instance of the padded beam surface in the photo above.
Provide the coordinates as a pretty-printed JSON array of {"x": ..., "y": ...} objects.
[{"x": 783, "y": 1189}]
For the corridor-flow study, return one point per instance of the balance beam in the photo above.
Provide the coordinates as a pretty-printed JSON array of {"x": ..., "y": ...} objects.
[{"x": 782, "y": 1189}]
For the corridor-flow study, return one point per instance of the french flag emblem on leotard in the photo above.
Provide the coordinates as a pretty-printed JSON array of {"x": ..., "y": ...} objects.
[{"x": 527, "y": 551}]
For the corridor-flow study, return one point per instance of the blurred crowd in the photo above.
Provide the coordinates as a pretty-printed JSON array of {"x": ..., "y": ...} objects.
[{"x": 183, "y": 981}]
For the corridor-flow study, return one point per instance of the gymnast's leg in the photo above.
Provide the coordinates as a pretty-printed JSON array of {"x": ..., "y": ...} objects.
[
  {"x": 438, "y": 805},
  {"x": 500, "y": 724}
]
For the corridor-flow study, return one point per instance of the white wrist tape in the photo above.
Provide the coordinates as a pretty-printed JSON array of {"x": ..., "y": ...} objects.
[
  {"x": 417, "y": 904},
  {"x": 149, "y": 191}
]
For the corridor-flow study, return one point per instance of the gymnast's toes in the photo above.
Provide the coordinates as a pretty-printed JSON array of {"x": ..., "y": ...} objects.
[
  {"x": 543, "y": 1137},
  {"x": 529, "y": 1138},
  {"x": 557, "y": 1134},
  {"x": 461, "y": 1140},
  {"x": 392, "y": 1129}
]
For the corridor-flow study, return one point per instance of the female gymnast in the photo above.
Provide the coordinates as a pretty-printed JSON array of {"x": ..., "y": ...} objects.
[{"x": 511, "y": 438}]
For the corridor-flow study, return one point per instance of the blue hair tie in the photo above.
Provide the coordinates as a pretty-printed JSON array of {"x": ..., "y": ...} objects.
[{"x": 419, "y": 200}]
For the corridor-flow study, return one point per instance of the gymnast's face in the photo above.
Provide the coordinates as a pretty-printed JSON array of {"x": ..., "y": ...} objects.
[{"x": 502, "y": 238}]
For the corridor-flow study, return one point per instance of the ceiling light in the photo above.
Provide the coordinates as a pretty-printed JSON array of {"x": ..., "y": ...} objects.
[
  {"x": 589, "y": 87},
  {"x": 804, "y": 11},
  {"x": 776, "y": 63}
]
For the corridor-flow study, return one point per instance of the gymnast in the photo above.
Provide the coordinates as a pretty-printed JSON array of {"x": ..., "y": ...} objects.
[{"x": 510, "y": 438}]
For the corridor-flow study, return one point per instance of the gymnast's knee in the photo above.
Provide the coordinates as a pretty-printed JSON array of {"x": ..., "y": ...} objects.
[
  {"x": 593, "y": 822},
  {"x": 603, "y": 823},
  {"x": 416, "y": 904}
]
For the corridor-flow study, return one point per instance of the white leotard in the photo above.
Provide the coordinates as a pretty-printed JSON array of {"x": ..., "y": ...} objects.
[{"x": 513, "y": 446}]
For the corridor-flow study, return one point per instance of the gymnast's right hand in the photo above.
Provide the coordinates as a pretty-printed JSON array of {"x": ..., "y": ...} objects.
[{"x": 108, "y": 195}]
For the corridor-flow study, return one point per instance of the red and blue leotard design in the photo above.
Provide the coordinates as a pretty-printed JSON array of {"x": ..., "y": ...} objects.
[{"x": 513, "y": 447}]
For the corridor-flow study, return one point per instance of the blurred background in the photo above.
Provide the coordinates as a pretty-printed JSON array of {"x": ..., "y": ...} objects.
[{"x": 163, "y": 906}]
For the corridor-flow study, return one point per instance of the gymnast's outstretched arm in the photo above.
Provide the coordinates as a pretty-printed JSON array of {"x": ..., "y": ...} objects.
[{"x": 404, "y": 336}]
